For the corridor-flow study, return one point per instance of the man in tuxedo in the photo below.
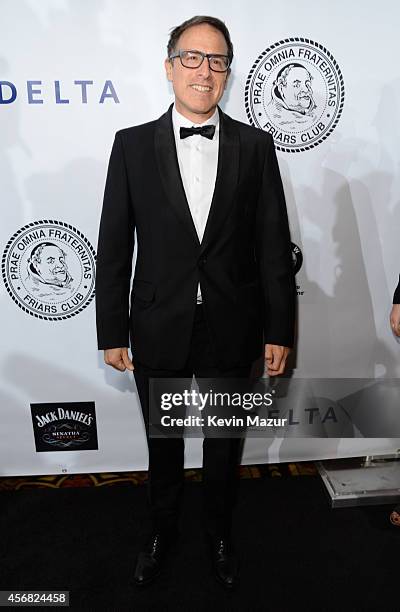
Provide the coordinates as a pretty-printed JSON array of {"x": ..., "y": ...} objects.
[{"x": 213, "y": 287}]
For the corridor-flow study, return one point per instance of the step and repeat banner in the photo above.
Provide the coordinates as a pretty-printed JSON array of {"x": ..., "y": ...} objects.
[{"x": 322, "y": 78}]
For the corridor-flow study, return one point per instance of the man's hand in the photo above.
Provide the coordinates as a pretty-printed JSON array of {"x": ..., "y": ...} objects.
[
  {"x": 118, "y": 358},
  {"x": 395, "y": 319},
  {"x": 275, "y": 358}
]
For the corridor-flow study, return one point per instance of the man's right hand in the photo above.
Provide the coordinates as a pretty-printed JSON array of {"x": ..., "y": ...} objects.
[{"x": 118, "y": 358}]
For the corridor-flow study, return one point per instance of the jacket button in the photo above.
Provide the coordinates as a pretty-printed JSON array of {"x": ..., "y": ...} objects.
[{"x": 202, "y": 262}]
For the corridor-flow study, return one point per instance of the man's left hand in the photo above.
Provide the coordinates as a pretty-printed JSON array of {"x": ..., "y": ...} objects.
[
  {"x": 395, "y": 319},
  {"x": 275, "y": 358}
]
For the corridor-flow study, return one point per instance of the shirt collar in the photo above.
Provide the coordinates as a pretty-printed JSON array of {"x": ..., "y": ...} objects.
[{"x": 179, "y": 120}]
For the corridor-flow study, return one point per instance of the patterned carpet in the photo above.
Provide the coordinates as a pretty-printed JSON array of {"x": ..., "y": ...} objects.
[{"x": 281, "y": 470}]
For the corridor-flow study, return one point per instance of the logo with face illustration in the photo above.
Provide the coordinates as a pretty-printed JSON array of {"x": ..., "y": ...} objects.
[
  {"x": 47, "y": 266},
  {"x": 49, "y": 270},
  {"x": 295, "y": 91}
]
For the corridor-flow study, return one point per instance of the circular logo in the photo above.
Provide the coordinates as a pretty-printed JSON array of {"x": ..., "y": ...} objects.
[
  {"x": 49, "y": 270},
  {"x": 297, "y": 258},
  {"x": 295, "y": 91}
]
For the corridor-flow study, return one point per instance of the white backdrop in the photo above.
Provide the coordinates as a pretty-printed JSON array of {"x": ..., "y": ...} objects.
[{"x": 342, "y": 198}]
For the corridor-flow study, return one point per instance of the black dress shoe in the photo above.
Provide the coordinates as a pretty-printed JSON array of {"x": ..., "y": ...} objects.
[
  {"x": 224, "y": 562},
  {"x": 149, "y": 561}
]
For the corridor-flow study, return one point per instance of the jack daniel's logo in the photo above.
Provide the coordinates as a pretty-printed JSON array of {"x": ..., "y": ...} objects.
[
  {"x": 65, "y": 426},
  {"x": 61, "y": 414}
]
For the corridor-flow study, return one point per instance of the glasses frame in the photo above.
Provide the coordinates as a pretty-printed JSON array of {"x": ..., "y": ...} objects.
[{"x": 203, "y": 55}]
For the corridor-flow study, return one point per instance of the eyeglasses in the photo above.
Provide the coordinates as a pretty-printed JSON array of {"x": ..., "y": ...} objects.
[{"x": 194, "y": 59}]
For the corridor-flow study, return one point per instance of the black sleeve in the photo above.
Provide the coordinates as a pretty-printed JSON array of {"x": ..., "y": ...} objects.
[
  {"x": 114, "y": 255},
  {"x": 274, "y": 256},
  {"x": 396, "y": 297}
]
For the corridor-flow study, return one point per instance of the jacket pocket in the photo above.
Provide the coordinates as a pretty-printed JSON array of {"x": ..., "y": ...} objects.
[{"x": 142, "y": 293}]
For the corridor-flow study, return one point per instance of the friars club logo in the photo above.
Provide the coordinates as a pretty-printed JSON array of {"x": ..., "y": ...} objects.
[
  {"x": 295, "y": 91},
  {"x": 49, "y": 270},
  {"x": 297, "y": 258},
  {"x": 64, "y": 427}
]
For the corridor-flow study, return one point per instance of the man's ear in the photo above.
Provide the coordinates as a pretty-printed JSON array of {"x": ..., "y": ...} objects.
[{"x": 168, "y": 69}]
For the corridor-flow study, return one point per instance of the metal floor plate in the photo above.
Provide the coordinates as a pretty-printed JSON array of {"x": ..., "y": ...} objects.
[{"x": 361, "y": 481}]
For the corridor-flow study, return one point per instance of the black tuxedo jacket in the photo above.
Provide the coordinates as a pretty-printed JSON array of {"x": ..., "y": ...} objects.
[{"x": 243, "y": 263}]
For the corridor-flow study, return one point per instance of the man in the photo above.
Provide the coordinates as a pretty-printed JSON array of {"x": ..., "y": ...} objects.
[
  {"x": 213, "y": 277},
  {"x": 292, "y": 96},
  {"x": 395, "y": 326}
]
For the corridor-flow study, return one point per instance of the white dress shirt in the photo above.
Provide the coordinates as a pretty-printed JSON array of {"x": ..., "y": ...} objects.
[{"x": 198, "y": 160}]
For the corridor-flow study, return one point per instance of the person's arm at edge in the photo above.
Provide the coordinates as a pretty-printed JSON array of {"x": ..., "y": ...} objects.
[{"x": 395, "y": 312}]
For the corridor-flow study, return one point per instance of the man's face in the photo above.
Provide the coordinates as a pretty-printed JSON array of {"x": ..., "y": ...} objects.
[
  {"x": 198, "y": 90},
  {"x": 297, "y": 92},
  {"x": 52, "y": 267}
]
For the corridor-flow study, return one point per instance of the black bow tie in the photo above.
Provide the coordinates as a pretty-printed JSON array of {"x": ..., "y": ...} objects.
[{"x": 206, "y": 130}]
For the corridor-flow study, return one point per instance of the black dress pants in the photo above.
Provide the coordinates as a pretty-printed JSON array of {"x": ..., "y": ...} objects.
[{"x": 166, "y": 455}]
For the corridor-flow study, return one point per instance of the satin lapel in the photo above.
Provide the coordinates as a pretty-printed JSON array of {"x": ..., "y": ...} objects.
[
  {"x": 168, "y": 166},
  {"x": 227, "y": 177}
]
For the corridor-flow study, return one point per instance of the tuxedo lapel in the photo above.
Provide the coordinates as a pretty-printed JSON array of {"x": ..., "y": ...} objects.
[
  {"x": 226, "y": 180},
  {"x": 168, "y": 167},
  {"x": 227, "y": 177}
]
